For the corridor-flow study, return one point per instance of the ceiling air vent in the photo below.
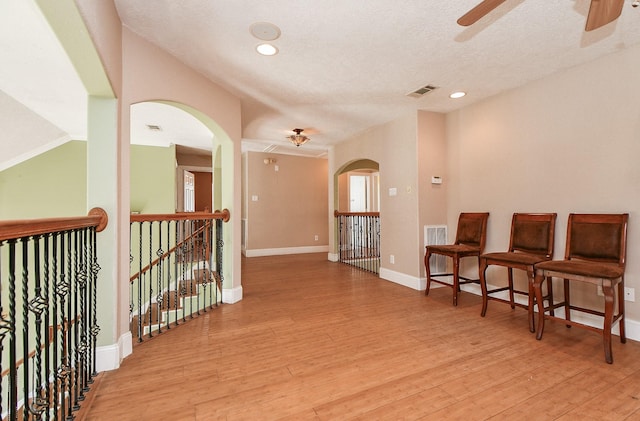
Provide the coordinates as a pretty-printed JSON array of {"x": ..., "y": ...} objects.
[
  {"x": 154, "y": 127},
  {"x": 421, "y": 91}
]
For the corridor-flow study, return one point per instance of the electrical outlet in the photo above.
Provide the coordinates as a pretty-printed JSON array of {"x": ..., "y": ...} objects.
[
  {"x": 316, "y": 238},
  {"x": 392, "y": 259},
  {"x": 629, "y": 294}
]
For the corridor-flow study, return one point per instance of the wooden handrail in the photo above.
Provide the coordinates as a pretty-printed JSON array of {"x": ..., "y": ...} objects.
[
  {"x": 338, "y": 213},
  {"x": 11, "y": 230},
  {"x": 181, "y": 216},
  {"x": 167, "y": 253}
]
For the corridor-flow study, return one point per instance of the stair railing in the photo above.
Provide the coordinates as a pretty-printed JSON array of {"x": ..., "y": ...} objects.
[
  {"x": 176, "y": 265},
  {"x": 359, "y": 239},
  {"x": 48, "y": 319}
]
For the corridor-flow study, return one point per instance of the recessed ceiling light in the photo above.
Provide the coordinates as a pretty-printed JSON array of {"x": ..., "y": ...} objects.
[
  {"x": 457, "y": 95},
  {"x": 267, "y": 49}
]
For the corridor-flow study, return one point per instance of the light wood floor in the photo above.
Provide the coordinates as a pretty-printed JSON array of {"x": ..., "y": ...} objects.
[{"x": 315, "y": 340}]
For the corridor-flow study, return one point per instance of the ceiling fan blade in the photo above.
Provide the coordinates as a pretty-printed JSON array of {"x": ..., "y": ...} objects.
[
  {"x": 475, "y": 14},
  {"x": 602, "y": 12}
]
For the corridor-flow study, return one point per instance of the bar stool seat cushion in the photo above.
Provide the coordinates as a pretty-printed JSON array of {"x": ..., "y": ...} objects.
[
  {"x": 590, "y": 269},
  {"x": 455, "y": 249},
  {"x": 514, "y": 258}
]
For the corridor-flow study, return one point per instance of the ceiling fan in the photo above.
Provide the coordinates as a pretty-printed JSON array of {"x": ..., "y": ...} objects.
[{"x": 601, "y": 12}]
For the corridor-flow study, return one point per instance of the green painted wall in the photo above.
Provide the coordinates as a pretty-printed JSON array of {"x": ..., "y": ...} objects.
[
  {"x": 53, "y": 184},
  {"x": 153, "y": 179}
]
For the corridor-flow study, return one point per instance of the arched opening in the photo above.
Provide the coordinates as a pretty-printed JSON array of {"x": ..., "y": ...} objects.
[
  {"x": 171, "y": 162},
  {"x": 357, "y": 214},
  {"x": 358, "y": 187}
]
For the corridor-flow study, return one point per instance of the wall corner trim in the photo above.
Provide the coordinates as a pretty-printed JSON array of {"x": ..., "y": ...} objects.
[{"x": 109, "y": 357}]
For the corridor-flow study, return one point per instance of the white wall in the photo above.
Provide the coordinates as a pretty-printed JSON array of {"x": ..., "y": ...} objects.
[{"x": 566, "y": 143}]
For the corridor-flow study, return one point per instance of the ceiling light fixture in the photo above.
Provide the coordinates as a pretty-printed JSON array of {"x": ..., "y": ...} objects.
[
  {"x": 457, "y": 95},
  {"x": 298, "y": 138},
  {"x": 267, "y": 49}
]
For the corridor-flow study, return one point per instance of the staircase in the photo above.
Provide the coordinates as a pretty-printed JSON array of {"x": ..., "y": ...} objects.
[{"x": 187, "y": 301}]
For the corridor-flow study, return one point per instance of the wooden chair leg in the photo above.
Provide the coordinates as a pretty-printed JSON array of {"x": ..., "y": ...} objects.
[
  {"x": 532, "y": 301},
  {"x": 621, "y": 320},
  {"x": 609, "y": 298},
  {"x": 552, "y": 311},
  {"x": 511, "y": 295},
  {"x": 456, "y": 281},
  {"x": 483, "y": 286},
  {"x": 426, "y": 265},
  {"x": 567, "y": 301},
  {"x": 537, "y": 288}
]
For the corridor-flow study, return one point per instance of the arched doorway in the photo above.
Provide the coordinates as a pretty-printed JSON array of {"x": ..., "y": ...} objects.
[{"x": 357, "y": 214}]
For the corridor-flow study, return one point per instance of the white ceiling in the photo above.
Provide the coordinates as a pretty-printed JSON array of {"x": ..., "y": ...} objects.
[{"x": 342, "y": 67}]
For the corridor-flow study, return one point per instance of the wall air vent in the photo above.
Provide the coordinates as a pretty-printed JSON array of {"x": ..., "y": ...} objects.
[
  {"x": 436, "y": 235},
  {"x": 270, "y": 148},
  {"x": 418, "y": 93}
]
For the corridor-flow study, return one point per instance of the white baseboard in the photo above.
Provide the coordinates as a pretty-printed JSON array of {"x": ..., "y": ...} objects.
[
  {"x": 333, "y": 257},
  {"x": 402, "y": 279},
  {"x": 109, "y": 357},
  {"x": 232, "y": 295},
  {"x": 632, "y": 327},
  {"x": 285, "y": 250}
]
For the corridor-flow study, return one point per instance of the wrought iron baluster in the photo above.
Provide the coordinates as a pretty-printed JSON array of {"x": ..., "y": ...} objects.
[
  {"x": 150, "y": 278},
  {"x": 13, "y": 371},
  {"x": 183, "y": 268},
  {"x": 83, "y": 278},
  {"x": 25, "y": 323},
  {"x": 167, "y": 293},
  {"x": 140, "y": 277},
  {"x": 159, "y": 272},
  {"x": 95, "y": 268},
  {"x": 37, "y": 306},
  {"x": 74, "y": 320},
  {"x": 176, "y": 294},
  {"x": 47, "y": 318}
]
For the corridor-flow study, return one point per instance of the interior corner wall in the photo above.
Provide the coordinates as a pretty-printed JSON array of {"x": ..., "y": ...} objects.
[
  {"x": 393, "y": 146},
  {"x": 286, "y": 205},
  {"x": 566, "y": 143},
  {"x": 151, "y": 74},
  {"x": 432, "y": 150}
]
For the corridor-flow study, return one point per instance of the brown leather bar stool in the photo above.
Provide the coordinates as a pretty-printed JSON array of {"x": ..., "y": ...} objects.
[
  {"x": 471, "y": 237},
  {"x": 531, "y": 242},
  {"x": 595, "y": 254}
]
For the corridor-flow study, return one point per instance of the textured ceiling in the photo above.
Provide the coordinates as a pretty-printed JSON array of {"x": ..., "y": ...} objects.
[{"x": 344, "y": 66}]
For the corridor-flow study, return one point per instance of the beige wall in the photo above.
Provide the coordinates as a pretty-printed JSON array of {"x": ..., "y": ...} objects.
[
  {"x": 394, "y": 146},
  {"x": 292, "y": 203},
  {"x": 431, "y": 162},
  {"x": 567, "y": 143}
]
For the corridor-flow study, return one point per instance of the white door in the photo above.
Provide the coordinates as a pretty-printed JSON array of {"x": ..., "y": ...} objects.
[
  {"x": 358, "y": 193},
  {"x": 189, "y": 192}
]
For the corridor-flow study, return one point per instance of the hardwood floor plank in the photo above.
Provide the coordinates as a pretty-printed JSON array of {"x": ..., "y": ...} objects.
[{"x": 316, "y": 340}]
